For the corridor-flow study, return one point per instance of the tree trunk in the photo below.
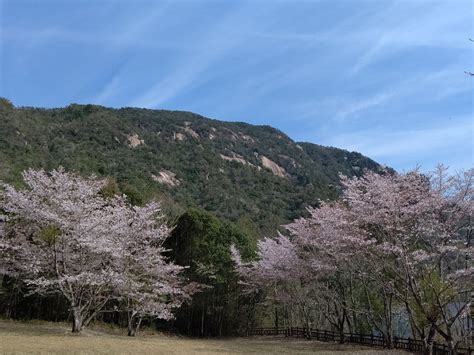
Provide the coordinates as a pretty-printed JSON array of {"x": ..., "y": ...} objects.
[
  {"x": 190, "y": 319},
  {"x": 131, "y": 326},
  {"x": 131, "y": 330},
  {"x": 388, "y": 337},
  {"x": 429, "y": 342},
  {"x": 341, "y": 325},
  {"x": 448, "y": 336},
  {"x": 276, "y": 318},
  {"x": 202, "y": 322},
  {"x": 451, "y": 345},
  {"x": 308, "y": 326},
  {"x": 341, "y": 334},
  {"x": 388, "y": 319},
  {"x": 136, "y": 328},
  {"x": 77, "y": 320},
  {"x": 220, "y": 327}
]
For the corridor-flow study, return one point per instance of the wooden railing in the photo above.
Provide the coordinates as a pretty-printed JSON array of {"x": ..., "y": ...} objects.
[{"x": 408, "y": 344}]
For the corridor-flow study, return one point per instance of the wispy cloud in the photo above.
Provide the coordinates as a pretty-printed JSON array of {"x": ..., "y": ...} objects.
[
  {"x": 428, "y": 24},
  {"x": 108, "y": 91},
  {"x": 134, "y": 32},
  {"x": 362, "y": 105},
  {"x": 412, "y": 144},
  {"x": 432, "y": 86},
  {"x": 130, "y": 33},
  {"x": 369, "y": 55},
  {"x": 216, "y": 41}
]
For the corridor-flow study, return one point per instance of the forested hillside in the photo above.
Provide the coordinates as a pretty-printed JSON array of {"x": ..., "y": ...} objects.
[{"x": 255, "y": 176}]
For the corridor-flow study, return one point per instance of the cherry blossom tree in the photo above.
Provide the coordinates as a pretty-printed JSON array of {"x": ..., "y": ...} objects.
[
  {"x": 331, "y": 243},
  {"x": 153, "y": 286},
  {"x": 391, "y": 238},
  {"x": 422, "y": 227},
  {"x": 62, "y": 235},
  {"x": 280, "y": 272}
]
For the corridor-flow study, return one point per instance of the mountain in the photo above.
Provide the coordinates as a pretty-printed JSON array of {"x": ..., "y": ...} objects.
[{"x": 255, "y": 176}]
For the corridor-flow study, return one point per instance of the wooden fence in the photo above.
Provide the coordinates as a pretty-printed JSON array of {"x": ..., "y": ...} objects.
[{"x": 412, "y": 345}]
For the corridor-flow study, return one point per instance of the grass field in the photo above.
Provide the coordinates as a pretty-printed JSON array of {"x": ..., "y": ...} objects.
[{"x": 54, "y": 338}]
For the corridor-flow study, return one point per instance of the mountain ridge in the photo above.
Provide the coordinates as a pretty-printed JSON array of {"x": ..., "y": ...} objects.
[{"x": 254, "y": 175}]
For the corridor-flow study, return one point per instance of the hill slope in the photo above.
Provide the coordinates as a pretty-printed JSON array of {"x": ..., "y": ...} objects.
[{"x": 255, "y": 176}]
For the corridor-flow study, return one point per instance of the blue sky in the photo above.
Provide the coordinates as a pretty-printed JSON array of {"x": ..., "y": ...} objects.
[{"x": 385, "y": 78}]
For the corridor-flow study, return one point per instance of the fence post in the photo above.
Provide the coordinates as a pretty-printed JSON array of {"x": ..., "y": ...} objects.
[{"x": 409, "y": 344}]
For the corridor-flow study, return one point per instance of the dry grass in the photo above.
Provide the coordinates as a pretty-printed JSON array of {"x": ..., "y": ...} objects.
[{"x": 53, "y": 338}]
